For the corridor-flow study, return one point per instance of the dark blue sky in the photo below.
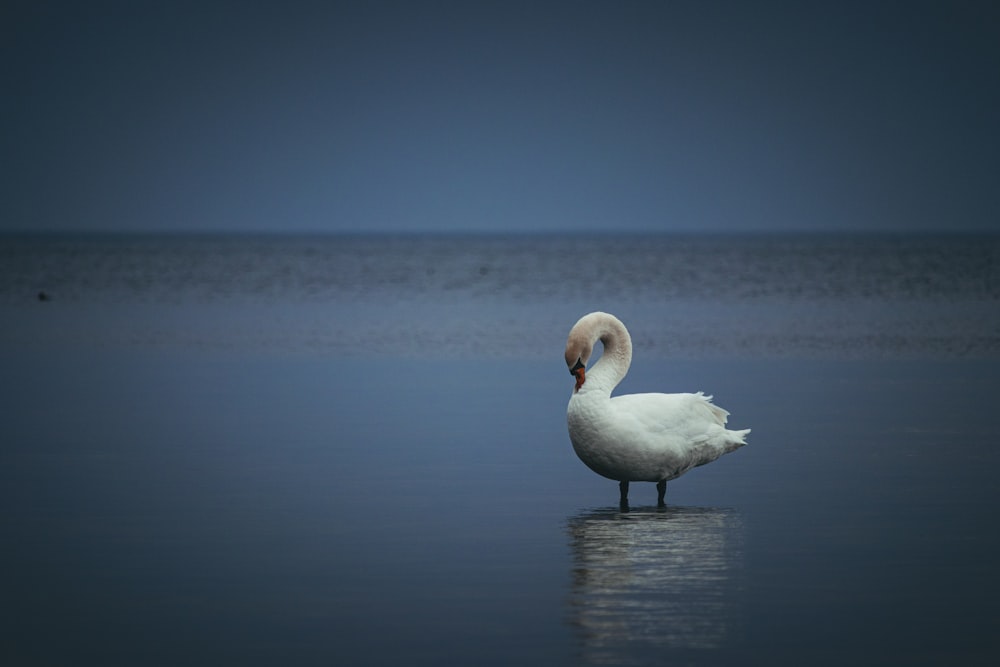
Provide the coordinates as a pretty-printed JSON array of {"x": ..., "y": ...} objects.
[{"x": 509, "y": 116}]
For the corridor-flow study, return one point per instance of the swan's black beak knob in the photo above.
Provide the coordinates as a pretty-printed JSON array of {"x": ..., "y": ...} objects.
[{"x": 578, "y": 371}]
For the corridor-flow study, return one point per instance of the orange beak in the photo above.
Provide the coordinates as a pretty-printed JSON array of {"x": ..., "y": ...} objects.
[{"x": 580, "y": 377}]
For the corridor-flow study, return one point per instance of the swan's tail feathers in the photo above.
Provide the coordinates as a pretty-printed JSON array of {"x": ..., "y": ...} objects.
[{"x": 737, "y": 439}]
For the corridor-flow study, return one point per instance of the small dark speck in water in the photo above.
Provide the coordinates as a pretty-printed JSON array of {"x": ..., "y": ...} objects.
[{"x": 43, "y": 296}]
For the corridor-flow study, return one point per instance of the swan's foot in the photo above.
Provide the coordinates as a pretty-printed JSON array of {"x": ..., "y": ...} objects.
[
  {"x": 661, "y": 490},
  {"x": 623, "y": 500}
]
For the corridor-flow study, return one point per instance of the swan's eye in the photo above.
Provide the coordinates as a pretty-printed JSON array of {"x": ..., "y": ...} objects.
[{"x": 578, "y": 366}]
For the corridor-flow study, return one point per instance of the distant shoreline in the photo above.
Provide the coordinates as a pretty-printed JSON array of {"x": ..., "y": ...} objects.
[{"x": 808, "y": 235}]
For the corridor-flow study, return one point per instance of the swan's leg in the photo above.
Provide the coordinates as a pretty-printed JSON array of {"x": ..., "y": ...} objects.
[
  {"x": 623, "y": 489},
  {"x": 661, "y": 490}
]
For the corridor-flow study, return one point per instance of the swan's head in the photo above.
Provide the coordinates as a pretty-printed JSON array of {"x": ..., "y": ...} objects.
[
  {"x": 578, "y": 351},
  {"x": 589, "y": 329}
]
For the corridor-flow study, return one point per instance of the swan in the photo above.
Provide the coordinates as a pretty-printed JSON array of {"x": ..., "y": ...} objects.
[{"x": 636, "y": 437}]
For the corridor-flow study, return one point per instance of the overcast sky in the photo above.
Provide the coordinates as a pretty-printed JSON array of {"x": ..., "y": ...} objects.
[{"x": 509, "y": 116}]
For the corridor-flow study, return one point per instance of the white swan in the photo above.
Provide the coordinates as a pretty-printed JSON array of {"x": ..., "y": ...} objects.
[{"x": 636, "y": 437}]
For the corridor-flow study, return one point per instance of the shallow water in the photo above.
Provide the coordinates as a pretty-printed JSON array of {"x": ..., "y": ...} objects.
[{"x": 178, "y": 491}]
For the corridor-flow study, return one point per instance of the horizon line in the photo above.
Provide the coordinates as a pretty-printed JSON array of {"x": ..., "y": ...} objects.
[{"x": 304, "y": 233}]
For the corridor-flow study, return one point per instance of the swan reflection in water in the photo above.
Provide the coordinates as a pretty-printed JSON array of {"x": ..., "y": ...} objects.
[{"x": 644, "y": 582}]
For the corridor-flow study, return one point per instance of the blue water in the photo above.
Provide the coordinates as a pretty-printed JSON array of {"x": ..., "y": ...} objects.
[
  {"x": 683, "y": 297},
  {"x": 353, "y": 451}
]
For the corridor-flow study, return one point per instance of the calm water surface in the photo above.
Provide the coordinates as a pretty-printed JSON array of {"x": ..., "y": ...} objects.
[{"x": 353, "y": 451}]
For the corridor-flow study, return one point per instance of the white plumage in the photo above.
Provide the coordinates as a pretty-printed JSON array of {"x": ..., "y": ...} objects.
[{"x": 636, "y": 437}]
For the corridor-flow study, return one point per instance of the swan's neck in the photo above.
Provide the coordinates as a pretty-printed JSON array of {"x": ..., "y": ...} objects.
[{"x": 615, "y": 360}]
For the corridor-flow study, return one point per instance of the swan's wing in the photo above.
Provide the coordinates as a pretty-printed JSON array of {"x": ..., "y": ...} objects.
[
  {"x": 688, "y": 415},
  {"x": 687, "y": 430}
]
